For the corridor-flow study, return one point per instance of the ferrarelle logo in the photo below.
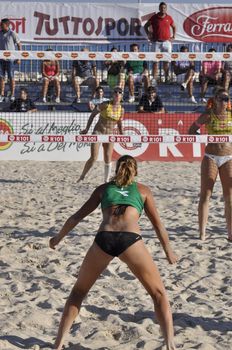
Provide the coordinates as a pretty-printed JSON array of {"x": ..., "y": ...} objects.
[{"x": 210, "y": 25}]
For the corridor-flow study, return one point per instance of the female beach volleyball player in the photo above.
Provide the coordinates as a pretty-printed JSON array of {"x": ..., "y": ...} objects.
[
  {"x": 111, "y": 114},
  {"x": 217, "y": 159},
  {"x": 122, "y": 201}
]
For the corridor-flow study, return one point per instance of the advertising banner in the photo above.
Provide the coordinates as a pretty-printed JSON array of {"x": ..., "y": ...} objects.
[
  {"x": 55, "y": 128},
  {"x": 74, "y": 23}
]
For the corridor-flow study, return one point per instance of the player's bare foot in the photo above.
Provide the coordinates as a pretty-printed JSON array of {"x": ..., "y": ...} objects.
[
  {"x": 171, "y": 347},
  {"x": 81, "y": 178},
  {"x": 202, "y": 236}
]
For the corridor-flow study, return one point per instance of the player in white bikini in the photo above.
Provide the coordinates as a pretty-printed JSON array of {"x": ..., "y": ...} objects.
[{"x": 217, "y": 159}]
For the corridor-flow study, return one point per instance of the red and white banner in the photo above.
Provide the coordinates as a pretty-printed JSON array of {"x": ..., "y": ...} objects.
[
  {"x": 125, "y": 56},
  {"x": 156, "y": 149},
  {"x": 41, "y": 136},
  {"x": 54, "y": 22}
]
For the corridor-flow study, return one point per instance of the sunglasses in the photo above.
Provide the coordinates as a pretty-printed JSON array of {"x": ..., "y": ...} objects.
[
  {"x": 118, "y": 92},
  {"x": 223, "y": 99}
]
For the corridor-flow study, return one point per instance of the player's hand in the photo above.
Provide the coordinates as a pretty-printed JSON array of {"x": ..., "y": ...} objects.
[
  {"x": 172, "y": 257},
  {"x": 53, "y": 242}
]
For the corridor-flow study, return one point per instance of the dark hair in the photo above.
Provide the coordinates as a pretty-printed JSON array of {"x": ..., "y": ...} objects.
[
  {"x": 183, "y": 47},
  {"x": 5, "y": 20},
  {"x": 118, "y": 89},
  {"x": 126, "y": 169},
  {"x": 134, "y": 45},
  {"x": 151, "y": 89},
  {"x": 212, "y": 49},
  {"x": 229, "y": 47},
  {"x": 162, "y": 4},
  {"x": 24, "y": 90},
  {"x": 113, "y": 48},
  {"x": 220, "y": 91},
  {"x": 99, "y": 88}
]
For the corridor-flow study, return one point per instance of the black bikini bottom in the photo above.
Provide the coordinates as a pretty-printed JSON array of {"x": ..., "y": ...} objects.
[{"x": 115, "y": 243}]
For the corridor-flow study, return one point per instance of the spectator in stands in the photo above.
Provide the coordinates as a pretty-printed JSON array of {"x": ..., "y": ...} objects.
[
  {"x": 210, "y": 73},
  {"x": 111, "y": 114},
  {"x": 137, "y": 72},
  {"x": 84, "y": 72},
  {"x": 184, "y": 70},
  {"x": 227, "y": 70},
  {"x": 50, "y": 74},
  {"x": 161, "y": 30},
  {"x": 98, "y": 98},
  {"x": 115, "y": 73},
  {"x": 23, "y": 103},
  {"x": 8, "y": 41},
  {"x": 151, "y": 102}
]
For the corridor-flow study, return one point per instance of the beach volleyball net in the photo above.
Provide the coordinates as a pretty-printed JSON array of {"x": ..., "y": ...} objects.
[
  {"x": 53, "y": 125},
  {"x": 67, "y": 126}
]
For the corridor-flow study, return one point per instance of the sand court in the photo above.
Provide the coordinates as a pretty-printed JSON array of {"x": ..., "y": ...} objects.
[{"x": 36, "y": 199}]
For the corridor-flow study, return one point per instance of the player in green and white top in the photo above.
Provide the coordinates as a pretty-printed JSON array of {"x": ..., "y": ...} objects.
[{"x": 122, "y": 202}]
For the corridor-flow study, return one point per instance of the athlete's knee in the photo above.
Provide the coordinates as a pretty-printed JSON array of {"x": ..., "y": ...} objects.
[
  {"x": 228, "y": 199},
  {"x": 93, "y": 159},
  {"x": 205, "y": 196},
  {"x": 78, "y": 295},
  {"x": 158, "y": 295}
]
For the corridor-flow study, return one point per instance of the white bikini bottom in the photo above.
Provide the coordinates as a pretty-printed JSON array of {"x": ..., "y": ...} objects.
[{"x": 219, "y": 160}]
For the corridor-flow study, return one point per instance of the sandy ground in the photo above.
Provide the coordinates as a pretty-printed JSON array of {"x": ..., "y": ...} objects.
[{"x": 37, "y": 197}]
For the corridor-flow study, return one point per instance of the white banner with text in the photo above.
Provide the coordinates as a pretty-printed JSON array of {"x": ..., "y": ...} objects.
[
  {"x": 56, "y": 137},
  {"x": 78, "y": 23}
]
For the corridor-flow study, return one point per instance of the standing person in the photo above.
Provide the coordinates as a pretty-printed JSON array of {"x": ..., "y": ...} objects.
[
  {"x": 217, "y": 159},
  {"x": 84, "y": 72},
  {"x": 137, "y": 73},
  {"x": 8, "y": 41},
  {"x": 51, "y": 73},
  {"x": 122, "y": 201},
  {"x": 23, "y": 103},
  {"x": 111, "y": 114},
  {"x": 161, "y": 30}
]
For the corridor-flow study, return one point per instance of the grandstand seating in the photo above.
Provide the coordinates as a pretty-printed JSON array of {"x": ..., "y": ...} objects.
[
  {"x": 173, "y": 98},
  {"x": 29, "y": 75}
]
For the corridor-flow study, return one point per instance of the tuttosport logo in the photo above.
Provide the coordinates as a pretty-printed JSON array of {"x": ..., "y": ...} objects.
[
  {"x": 5, "y": 128},
  {"x": 74, "y": 27},
  {"x": 210, "y": 25}
]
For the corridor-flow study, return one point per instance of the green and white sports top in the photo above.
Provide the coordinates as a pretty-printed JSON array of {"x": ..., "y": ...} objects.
[{"x": 127, "y": 195}]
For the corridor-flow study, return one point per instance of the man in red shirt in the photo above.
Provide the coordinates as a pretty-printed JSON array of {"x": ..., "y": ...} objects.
[{"x": 158, "y": 29}]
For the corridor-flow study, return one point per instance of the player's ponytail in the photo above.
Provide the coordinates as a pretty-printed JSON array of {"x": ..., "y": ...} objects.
[{"x": 126, "y": 170}]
